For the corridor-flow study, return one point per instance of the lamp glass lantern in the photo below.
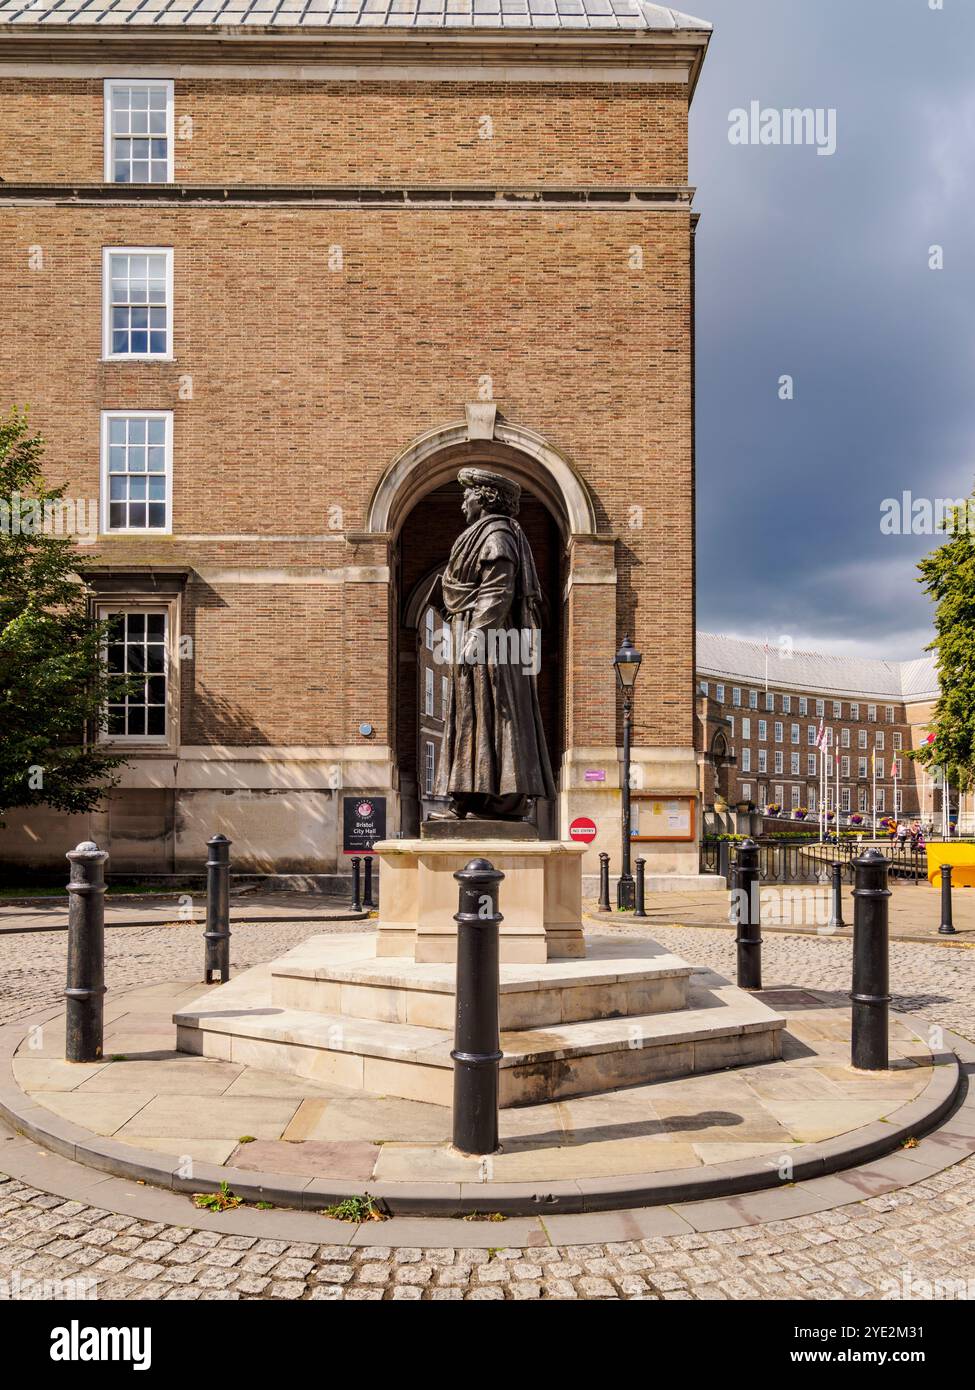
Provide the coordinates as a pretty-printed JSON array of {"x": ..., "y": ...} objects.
[{"x": 627, "y": 662}]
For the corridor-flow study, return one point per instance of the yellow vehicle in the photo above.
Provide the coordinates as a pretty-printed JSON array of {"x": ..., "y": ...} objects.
[{"x": 960, "y": 857}]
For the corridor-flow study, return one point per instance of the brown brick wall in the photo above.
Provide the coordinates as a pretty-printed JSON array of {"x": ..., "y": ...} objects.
[
  {"x": 907, "y": 782},
  {"x": 306, "y": 384},
  {"x": 282, "y": 131}
]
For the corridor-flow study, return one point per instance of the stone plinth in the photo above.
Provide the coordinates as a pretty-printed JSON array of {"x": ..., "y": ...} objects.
[
  {"x": 541, "y": 897},
  {"x": 335, "y": 1012}
]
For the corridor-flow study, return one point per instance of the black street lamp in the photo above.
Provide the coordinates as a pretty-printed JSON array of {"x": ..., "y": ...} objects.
[{"x": 627, "y": 662}]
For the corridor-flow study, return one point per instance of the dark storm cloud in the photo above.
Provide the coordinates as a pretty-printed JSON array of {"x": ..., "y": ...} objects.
[{"x": 817, "y": 267}]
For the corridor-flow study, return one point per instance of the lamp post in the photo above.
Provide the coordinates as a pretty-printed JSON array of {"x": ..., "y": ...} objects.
[{"x": 627, "y": 662}]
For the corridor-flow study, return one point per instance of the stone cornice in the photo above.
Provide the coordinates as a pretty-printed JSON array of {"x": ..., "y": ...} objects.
[
  {"x": 675, "y": 198},
  {"x": 585, "y": 55}
]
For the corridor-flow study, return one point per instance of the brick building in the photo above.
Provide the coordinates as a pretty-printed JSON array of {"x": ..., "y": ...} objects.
[
  {"x": 271, "y": 274},
  {"x": 759, "y": 716}
]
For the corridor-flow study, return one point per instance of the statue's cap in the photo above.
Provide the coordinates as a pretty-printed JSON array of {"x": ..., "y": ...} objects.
[{"x": 481, "y": 477}]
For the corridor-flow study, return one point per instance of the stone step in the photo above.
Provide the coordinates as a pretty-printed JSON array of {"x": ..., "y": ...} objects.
[
  {"x": 617, "y": 978},
  {"x": 725, "y": 1028}
]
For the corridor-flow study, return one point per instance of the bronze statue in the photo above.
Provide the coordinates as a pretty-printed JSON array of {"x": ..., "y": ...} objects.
[{"x": 494, "y": 761}]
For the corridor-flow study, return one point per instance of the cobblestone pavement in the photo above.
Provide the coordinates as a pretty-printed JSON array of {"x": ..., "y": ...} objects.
[{"x": 904, "y": 1244}]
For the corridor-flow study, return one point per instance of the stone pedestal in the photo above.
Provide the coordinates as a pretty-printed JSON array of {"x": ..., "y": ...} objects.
[{"x": 541, "y": 896}]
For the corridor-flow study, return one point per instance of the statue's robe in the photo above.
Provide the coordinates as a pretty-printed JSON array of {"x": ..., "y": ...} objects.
[{"x": 493, "y": 755}]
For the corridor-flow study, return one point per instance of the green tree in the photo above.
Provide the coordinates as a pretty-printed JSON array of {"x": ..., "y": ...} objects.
[
  {"x": 948, "y": 575},
  {"x": 53, "y": 684}
]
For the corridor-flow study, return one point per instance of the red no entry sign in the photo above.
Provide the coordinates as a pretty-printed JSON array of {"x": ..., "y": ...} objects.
[{"x": 583, "y": 829}]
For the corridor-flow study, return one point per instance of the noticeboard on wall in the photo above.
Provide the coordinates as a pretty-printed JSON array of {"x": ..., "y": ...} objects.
[{"x": 662, "y": 817}]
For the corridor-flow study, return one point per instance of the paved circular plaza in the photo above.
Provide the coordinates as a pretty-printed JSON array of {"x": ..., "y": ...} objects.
[{"x": 62, "y": 1222}]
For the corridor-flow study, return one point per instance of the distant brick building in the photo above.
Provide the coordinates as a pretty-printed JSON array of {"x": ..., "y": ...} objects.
[
  {"x": 270, "y": 275},
  {"x": 758, "y": 735}
]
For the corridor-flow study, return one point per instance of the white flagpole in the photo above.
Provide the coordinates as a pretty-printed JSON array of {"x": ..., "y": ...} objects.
[
  {"x": 874, "y": 793},
  {"x": 836, "y": 760}
]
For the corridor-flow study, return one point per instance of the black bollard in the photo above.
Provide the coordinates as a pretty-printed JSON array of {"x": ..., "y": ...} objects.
[
  {"x": 749, "y": 937},
  {"x": 85, "y": 990},
  {"x": 871, "y": 973},
  {"x": 356, "y": 889},
  {"x": 947, "y": 927},
  {"x": 477, "y": 1039},
  {"x": 836, "y": 915},
  {"x": 217, "y": 934},
  {"x": 724, "y": 861},
  {"x": 367, "y": 901},
  {"x": 604, "y": 883},
  {"x": 641, "y": 888}
]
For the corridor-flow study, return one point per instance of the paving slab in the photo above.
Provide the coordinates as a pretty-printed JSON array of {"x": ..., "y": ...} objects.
[{"x": 703, "y": 1134}]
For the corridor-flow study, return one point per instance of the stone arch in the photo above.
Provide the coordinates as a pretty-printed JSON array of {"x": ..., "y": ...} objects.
[{"x": 433, "y": 458}]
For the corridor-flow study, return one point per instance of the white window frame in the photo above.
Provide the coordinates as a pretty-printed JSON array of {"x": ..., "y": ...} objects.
[
  {"x": 811, "y": 735},
  {"x": 898, "y": 741},
  {"x": 844, "y": 738},
  {"x": 106, "y": 529},
  {"x": 429, "y": 768},
  {"x": 780, "y": 793},
  {"x": 889, "y": 714},
  {"x": 803, "y": 706},
  {"x": 845, "y": 765},
  {"x": 795, "y": 796},
  {"x": 746, "y": 727},
  {"x": 845, "y": 799},
  {"x": 159, "y": 82},
  {"x": 880, "y": 799},
  {"x": 746, "y": 760},
  {"x": 779, "y": 763},
  {"x": 770, "y": 701},
  {"x": 429, "y": 697},
  {"x": 795, "y": 765},
  {"x": 794, "y": 733},
  {"x": 719, "y": 694},
  {"x": 811, "y": 768},
  {"x": 141, "y": 603},
  {"x": 778, "y": 731},
  {"x": 444, "y": 687},
  {"x": 871, "y": 714},
  {"x": 862, "y": 767},
  {"x": 878, "y": 738},
  {"x": 107, "y": 253},
  {"x": 753, "y": 699},
  {"x": 763, "y": 760},
  {"x": 854, "y": 712},
  {"x": 861, "y": 738},
  {"x": 746, "y": 791},
  {"x": 736, "y": 696},
  {"x": 763, "y": 729},
  {"x": 821, "y": 708},
  {"x": 786, "y": 704}
]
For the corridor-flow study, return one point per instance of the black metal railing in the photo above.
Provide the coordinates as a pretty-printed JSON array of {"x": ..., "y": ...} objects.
[{"x": 809, "y": 861}]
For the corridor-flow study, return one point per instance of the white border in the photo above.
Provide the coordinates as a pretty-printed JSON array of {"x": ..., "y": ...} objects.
[
  {"x": 107, "y": 354},
  {"x": 110, "y": 84},
  {"x": 104, "y": 528}
]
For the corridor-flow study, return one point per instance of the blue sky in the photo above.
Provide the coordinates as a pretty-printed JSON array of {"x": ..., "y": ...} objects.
[{"x": 817, "y": 267}]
